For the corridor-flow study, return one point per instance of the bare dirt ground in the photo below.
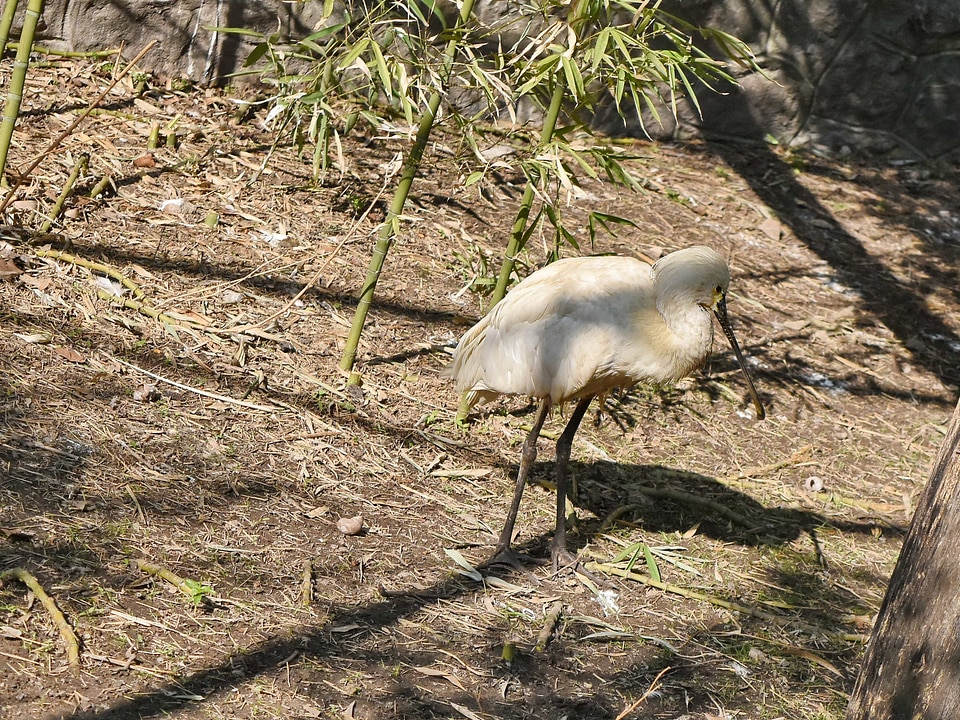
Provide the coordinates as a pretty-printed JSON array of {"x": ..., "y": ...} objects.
[{"x": 776, "y": 537}]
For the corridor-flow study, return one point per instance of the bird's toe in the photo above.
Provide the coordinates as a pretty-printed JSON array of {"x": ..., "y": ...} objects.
[{"x": 509, "y": 556}]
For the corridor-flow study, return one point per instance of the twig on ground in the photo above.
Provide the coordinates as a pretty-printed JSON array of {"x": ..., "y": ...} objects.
[
  {"x": 617, "y": 513},
  {"x": 306, "y": 584},
  {"x": 797, "y": 458},
  {"x": 21, "y": 658},
  {"x": 66, "y": 632},
  {"x": 691, "y": 499},
  {"x": 549, "y": 623},
  {"x": 196, "y": 391},
  {"x": 650, "y": 691},
  {"x": 130, "y": 665},
  {"x": 194, "y": 590},
  {"x": 143, "y": 517}
]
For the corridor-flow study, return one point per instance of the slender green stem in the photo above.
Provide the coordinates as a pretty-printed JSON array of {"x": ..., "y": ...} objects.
[
  {"x": 79, "y": 166},
  {"x": 517, "y": 235},
  {"x": 6, "y": 22},
  {"x": 101, "y": 186},
  {"x": 44, "y": 50},
  {"x": 11, "y": 109},
  {"x": 579, "y": 15},
  {"x": 391, "y": 223},
  {"x": 388, "y": 231},
  {"x": 50, "y": 605}
]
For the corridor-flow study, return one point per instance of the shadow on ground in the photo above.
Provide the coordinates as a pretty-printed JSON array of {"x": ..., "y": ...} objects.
[{"x": 350, "y": 635}]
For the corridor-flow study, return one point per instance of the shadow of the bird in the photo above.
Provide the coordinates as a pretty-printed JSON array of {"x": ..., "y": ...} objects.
[{"x": 659, "y": 499}]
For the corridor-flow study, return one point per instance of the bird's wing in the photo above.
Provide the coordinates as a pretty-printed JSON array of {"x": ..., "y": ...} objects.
[{"x": 554, "y": 334}]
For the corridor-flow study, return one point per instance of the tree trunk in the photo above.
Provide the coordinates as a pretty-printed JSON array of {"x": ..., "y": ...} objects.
[{"x": 911, "y": 670}]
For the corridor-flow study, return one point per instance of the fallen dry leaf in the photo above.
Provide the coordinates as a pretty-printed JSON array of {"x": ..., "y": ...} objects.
[
  {"x": 69, "y": 354},
  {"x": 445, "y": 674},
  {"x": 8, "y": 269},
  {"x": 771, "y": 228},
  {"x": 16, "y": 535},
  {"x": 40, "y": 283}
]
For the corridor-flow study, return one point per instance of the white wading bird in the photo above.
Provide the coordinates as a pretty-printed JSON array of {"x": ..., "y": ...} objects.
[{"x": 582, "y": 326}]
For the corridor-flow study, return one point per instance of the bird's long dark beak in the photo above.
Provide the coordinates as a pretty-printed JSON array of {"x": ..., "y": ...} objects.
[{"x": 721, "y": 312}]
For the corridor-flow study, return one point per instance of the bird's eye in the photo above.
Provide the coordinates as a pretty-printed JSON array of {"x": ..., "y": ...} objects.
[{"x": 718, "y": 290}]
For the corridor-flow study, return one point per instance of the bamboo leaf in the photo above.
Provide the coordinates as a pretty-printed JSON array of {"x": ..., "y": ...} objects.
[
  {"x": 574, "y": 78},
  {"x": 605, "y": 220},
  {"x": 354, "y": 53},
  {"x": 652, "y": 568},
  {"x": 258, "y": 52},
  {"x": 381, "y": 66}
]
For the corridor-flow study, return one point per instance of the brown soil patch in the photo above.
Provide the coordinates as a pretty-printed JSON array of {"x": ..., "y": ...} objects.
[{"x": 846, "y": 298}]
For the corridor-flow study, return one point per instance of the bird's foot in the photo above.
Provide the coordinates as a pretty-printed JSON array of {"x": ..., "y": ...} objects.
[
  {"x": 564, "y": 560},
  {"x": 508, "y": 556}
]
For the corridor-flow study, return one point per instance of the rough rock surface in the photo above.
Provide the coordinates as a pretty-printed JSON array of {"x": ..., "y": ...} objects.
[
  {"x": 186, "y": 45},
  {"x": 850, "y": 74},
  {"x": 883, "y": 77}
]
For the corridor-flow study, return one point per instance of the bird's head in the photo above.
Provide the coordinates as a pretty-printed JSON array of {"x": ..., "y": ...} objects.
[
  {"x": 692, "y": 276},
  {"x": 699, "y": 275}
]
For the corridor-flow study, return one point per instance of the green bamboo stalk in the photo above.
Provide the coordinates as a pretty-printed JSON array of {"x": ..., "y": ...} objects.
[
  {"x": 579, "y": 14},
  {"x": 153, "y": 141},
  {"x": 50, "y": 605},
  {"x": 391, "y": 223},
  {"x": 101, "y": 186},
  {"x": 6, "y": 22},
  {"x": 79, "y": 166},
  {"x": 44, "y": 50},
  {"x": 11, "y": 109},
  {"x": 517, "y": 235}
]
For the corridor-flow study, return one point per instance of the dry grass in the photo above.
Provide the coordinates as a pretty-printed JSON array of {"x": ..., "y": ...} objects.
[{"x": 224, "y": 448}]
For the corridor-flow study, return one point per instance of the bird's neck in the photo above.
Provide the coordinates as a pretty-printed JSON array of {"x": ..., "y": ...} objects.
[{"x": 691, "y": 331}]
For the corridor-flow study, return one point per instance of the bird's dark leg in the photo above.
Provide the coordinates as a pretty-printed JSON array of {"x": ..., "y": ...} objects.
[
  {"x": 563, "y": 458},
  {"x": 527, "y": 457}
]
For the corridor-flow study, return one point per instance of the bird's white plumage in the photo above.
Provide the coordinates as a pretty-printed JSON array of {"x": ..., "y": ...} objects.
[{"x": 581, "y": 326}]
